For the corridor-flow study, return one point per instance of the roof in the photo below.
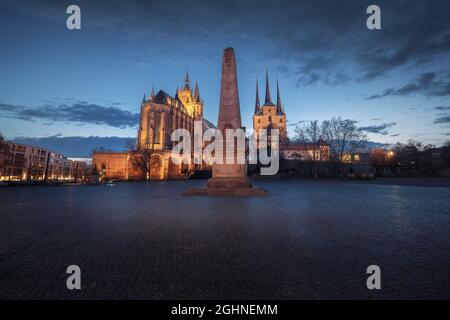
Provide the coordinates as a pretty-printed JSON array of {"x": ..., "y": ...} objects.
[
  {"x": 207, "y": 125},
  {"x": 163, "y": 97},
  {"x": 301, "y": 146},
  {"x": 269, "y": 104}
]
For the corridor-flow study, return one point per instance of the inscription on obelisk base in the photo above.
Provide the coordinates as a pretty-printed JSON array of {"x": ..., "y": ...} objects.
[{"x": 228, "y": 179}]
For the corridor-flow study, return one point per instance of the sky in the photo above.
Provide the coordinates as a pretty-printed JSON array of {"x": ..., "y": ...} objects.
[{"x": 58, "y": 84}]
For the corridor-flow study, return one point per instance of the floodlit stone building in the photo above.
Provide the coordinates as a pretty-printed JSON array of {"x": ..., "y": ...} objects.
[
  {"x": 160, "y": 115},
  {"x": 272, "y": 116}
]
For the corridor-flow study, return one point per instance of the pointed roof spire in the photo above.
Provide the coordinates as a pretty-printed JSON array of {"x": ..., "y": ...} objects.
[
  {"x": 152, "y": 94},
  {"x": 257, "y": 105},
  {"x": 279, "y": 105},
  {"x": 268, "y": 99},
  {"x": 196, "y": 92},
  {"x": 143, "y": 99},
  {"x": 186, "y": 82}
]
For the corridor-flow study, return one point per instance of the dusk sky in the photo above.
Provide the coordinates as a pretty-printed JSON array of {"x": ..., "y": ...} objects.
[{"x": 57, "y": 83}]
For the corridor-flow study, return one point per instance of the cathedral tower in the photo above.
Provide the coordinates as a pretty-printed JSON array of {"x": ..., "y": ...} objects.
[{"x": 191, "y": 100}]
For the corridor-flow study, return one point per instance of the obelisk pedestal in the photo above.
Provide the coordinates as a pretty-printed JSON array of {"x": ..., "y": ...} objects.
[{"x": 228, "y": 179}]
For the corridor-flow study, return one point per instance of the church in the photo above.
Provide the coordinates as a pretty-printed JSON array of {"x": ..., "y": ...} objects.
[
  {"x": 272, "y": 115},
  {"x": 160, "y": 115},
  {"x": 269, "y": 115}
]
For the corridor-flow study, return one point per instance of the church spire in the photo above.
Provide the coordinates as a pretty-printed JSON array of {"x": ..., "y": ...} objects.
[
  {"x": 143, "y": 99},
  {"x": 279, "y": 105},
  {"x": 268, "y": 99},
  {"x": 186, "y": 82},
  {"x": 196, "y": 93},
  {"x": 257, "y": 105}
]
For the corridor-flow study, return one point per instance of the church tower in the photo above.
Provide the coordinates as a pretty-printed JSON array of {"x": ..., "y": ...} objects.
[
  {"x": 191, "y": 100},
  {"x": 270, "y": 115}
]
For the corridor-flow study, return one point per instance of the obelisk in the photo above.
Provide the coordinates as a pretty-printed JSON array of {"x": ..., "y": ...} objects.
[{"x": 229, "y": 178}]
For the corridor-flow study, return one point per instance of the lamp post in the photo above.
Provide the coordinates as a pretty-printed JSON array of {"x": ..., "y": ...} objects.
[{"x": 390, "y": 155}]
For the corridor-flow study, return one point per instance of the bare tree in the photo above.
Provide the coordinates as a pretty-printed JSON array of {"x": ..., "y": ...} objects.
[
  {"x": 344, "y": 139},
  {"x": 308, "y": 134},
  {"x": 446, "y": 153},
  {"x": 144, "y": 158}
]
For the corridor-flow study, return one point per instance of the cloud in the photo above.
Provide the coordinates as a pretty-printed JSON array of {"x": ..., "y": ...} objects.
[
  {"x": 441, "y": 108},
  {"x": 429, "y": 84},
  {"x": 378, "y": 129},
  {"x": 312, "y": 41},
  {"x": 77, "y": 146},
  {"x": 295, "y": 123},
  {"x": 78, "y": 112},
  {"x": 442, "y": 120}
]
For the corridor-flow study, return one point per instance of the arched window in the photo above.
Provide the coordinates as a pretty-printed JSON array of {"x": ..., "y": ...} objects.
[{"x": 270, "y": 118}]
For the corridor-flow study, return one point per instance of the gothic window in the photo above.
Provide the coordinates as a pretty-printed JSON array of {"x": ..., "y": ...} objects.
[
  {"x": 157, "y": 127},
  {"x": 281, "y": 120},
  {"x": 270, "y": 118}
]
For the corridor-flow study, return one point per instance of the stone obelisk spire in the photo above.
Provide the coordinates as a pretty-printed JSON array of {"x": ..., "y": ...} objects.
[
  {"x": 228, "y": 178},
  {"x": 229, "y": 109}
]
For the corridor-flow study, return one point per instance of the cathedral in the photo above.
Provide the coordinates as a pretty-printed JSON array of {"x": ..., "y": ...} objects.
[{"x": 160, "y": 115}]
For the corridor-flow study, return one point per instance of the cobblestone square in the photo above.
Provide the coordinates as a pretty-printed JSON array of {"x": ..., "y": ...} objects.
[{"x": 305, "y": 240}]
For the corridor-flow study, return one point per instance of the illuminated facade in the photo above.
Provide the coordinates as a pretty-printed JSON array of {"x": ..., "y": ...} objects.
[
  {"x": 272, "y": 116},
  {"x": 269, "y": 115},
  {"x": 306, "y": 151},
  {"x": 31, "y": 163},
  {"x": 160, "y": 115}
]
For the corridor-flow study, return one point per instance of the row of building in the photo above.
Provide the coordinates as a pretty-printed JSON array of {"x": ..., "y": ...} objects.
[
  {"x": 30, "y": 163},
  {"x": 162, "y": 113}
]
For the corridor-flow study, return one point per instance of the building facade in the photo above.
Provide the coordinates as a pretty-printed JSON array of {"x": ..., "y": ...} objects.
[
  {"x": 31, "y": 163},
  {"x": 160, "y": 115},
  {"x": 306, "y": 151},
  {"x": 269, "y": 115},
  {"x": 272, "y": 116}
]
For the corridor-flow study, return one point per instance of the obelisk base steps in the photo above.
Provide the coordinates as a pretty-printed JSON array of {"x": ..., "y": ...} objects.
[{"x": 244, "y": 192}]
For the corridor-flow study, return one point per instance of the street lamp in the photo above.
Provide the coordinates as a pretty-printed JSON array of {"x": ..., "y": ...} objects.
[{"x": 390, "y": 155}]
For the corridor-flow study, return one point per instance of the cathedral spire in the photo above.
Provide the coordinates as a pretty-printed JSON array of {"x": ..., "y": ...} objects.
[
  {"x": 268, "y": 99},
  {"x": 279, "y": 105},
  {"x": 257, "y": 105},
  {"x": 143, "y": 99},
  {"x": 152, "y": 95},
  {"x": 196, "y": 92},
  {"x": 186, "y": 82}
]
